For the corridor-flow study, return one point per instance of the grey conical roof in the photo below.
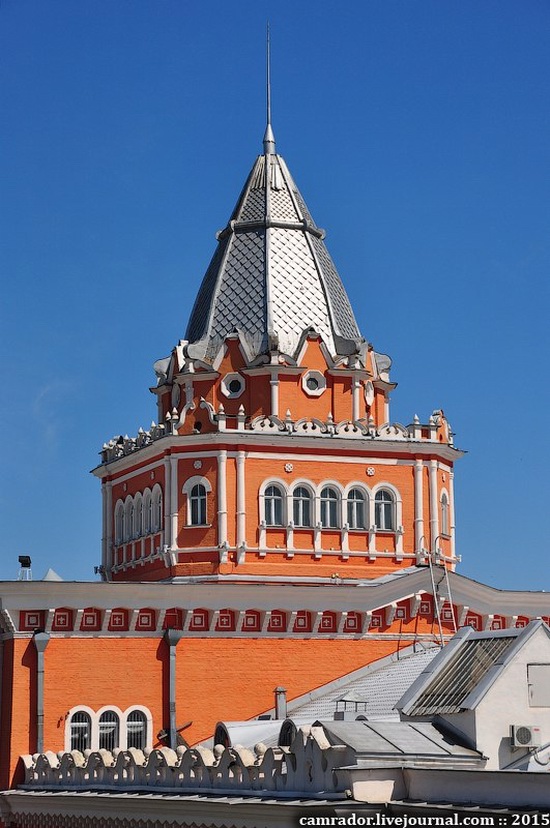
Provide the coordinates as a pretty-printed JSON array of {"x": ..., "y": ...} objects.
[{"x": 271, "y": 276}]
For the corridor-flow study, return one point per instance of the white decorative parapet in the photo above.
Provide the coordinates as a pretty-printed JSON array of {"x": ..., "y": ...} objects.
[{"x": 310, "y": 765}]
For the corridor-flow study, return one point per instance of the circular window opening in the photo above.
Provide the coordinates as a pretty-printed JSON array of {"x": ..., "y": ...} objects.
[
  {"x": 232, "y": 385},
  {"x": 314, "y": 383}
]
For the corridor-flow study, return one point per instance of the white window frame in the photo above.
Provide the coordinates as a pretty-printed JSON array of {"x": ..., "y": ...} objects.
[
  {"x": 128, "y": 519},
  {"x": 303, "y": 484},
  {"x": 147, "y": 511},
  {"x": 445, "y": 509},
  {"x": 95, "y": 716},
  {"x": 321, "y": 383},
  {"x": 356, "y": 487},
  {"x": 226, "y": 382},
  {"x": 397, "y": 507},
  {"x": 157, "y": 517},
  {"x": 328, "y": 505},
  {"x": 187, "y": 488},
  {"x": 281, "y": 485},
  {"x": 138, "y": 515},
  {"x": 119, "y": 522}
]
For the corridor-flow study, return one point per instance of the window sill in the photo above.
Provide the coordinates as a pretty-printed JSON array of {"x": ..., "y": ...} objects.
[{"x": 198, "y": 526}]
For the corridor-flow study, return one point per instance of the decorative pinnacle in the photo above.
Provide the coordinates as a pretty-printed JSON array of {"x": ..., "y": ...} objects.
[{"x": 269, "y": 138}]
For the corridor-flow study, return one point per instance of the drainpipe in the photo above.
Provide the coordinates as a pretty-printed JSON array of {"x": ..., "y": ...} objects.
[
  {"x": 41, "y": 641},
  {"x": 172, "y": 638},
  {"x": 280, "y": 703}
]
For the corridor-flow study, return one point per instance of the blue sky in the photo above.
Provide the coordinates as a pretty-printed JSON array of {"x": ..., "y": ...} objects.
[{"x": 417, "y": 131}]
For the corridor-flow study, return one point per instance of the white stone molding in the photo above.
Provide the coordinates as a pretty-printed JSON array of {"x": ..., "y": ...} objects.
[
  {"x": 241, "y": 501},
  {"x": 418, "y": 505},
  {"x": 274, "y": 393},
  {"x": 434, "y": 505},
  {"x": 355, "y": 397},
  {"x": 452, "y": 518},
  {"x": 222, "y": 498}
]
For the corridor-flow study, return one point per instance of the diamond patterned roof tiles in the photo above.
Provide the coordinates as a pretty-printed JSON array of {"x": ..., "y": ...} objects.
[{"x": 271, "y": 276}]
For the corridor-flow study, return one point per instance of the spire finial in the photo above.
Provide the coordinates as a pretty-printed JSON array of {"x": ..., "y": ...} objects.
[{"x": 269, "y": 138}]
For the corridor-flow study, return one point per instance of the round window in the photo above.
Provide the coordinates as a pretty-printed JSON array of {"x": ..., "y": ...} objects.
[
  {"x": 232, "y": 385},
  {"x": 314, "y": 383}
]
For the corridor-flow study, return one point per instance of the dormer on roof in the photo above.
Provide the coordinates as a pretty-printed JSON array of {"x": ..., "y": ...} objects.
[{"x": 491, "y": 688}]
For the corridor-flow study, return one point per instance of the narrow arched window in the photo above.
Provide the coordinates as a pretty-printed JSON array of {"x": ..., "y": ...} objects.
[
  {"x": 109, "y": 726},
  {"x": 444, "y": 514},
  {"x": 147, "y": 513},
  {"x": 119, "y": 524},
  {"x": 197, "y": 500},
  {"x": 301, "y": 507},
  {"x": 156, "y": 509},
  {"x": 384, "y": 510},
  {"x": 356, "y": 509},
  {"x": 329, "y": 508},
  {"x": 273, "y": 500},
  {"x": 128, "y": 519},
  {"x": 136, "y": 730},
  {"x": 138, "y": 517},
  {"x": 81, "y": 731}
]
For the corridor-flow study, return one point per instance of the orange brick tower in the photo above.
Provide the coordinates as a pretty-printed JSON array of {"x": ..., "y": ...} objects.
[{"x": 274, "y": 455}]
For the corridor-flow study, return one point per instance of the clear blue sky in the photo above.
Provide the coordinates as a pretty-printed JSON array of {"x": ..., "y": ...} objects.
[{"x": 418, "y": 132}]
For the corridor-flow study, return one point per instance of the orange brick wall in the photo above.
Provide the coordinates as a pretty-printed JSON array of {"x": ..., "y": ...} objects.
[{"x": 217, "y": 678}]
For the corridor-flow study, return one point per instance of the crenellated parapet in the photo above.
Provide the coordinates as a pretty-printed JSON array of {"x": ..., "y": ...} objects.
[
  {"x": 311, "y": 764},
  {"x": 437, "y": 430}
]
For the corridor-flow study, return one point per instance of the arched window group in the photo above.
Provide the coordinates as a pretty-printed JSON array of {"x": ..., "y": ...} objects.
[
  {"x": 329, "y": 506},
  {"x": 139, "y": 515},
  {"x": 108, "y": 729}
]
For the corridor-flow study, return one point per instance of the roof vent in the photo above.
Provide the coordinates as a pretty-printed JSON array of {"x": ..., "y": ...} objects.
[{"x": 525, "y": 736}]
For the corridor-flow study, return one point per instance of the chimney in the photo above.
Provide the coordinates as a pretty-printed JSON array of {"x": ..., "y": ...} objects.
[{"x": 280, "y": 703}]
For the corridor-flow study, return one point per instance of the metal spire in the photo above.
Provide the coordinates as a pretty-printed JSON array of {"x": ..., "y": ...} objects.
[{"x": 269, "y": 138}]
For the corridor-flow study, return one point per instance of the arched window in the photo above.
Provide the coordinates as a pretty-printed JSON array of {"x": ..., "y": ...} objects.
[
  {"x": 147, "y": 512},
  {"x": 109, "y": 726},
  {"x": 128, "y": 519},
  {"x": 138, "y": 517},
  {"x": 197, "y": 502},
  {"x": 444, "y": 514},
  {"x": 273, "y": 499},
  {"x": 329, "y": 508},
  {"x": 384, "y": 510},
  {"x": 119, "y": 523},
  {"x": 301, "y": 506},
  {"x": 136, "y": 730},
  {"x": 156, "y": 517},
  {"x": 81, "y": 731},
  {"x": 356, "y": 509}
]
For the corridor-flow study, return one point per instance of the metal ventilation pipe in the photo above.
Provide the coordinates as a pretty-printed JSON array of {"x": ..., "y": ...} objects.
[
  {"x": 280, "y": 703},
  {"x": 41, "y": 641},
  {"x": 172, "y": 637}
]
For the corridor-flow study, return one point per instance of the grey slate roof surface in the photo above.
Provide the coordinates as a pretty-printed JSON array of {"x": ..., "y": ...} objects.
[
  {"x": 271, "y": 276},
  {"x": 380, "y": 689}
]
